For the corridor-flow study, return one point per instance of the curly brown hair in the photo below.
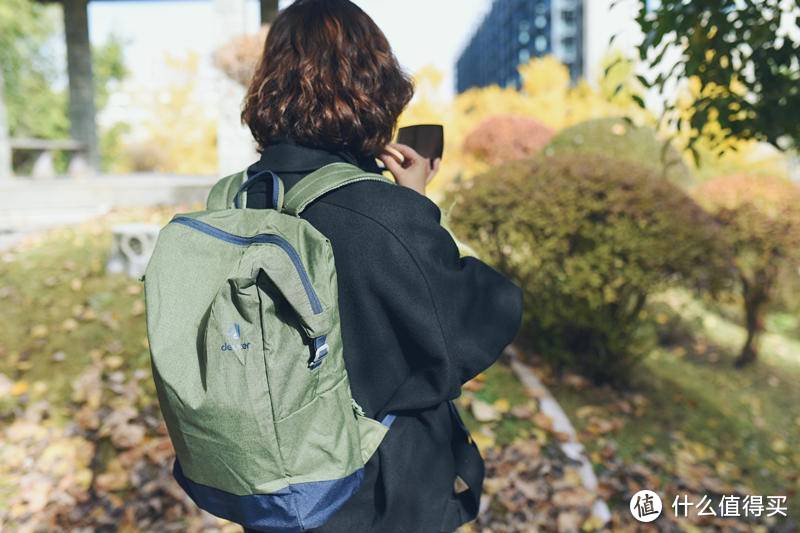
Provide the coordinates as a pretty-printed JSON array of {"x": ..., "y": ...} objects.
[{"x": 327, "y": 78}]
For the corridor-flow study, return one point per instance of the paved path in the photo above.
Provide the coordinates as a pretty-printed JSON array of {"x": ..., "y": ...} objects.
[
  {"x": 571, "y": 447},
  {"x": 28, "y": 206}
]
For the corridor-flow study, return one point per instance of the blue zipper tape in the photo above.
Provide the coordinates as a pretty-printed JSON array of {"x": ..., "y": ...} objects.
[{"x": 263, "y": 238}]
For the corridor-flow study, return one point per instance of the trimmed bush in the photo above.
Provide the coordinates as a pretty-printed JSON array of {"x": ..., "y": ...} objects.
[
  {"x": 617, "y": 138},
  {"x": 506, "y": 138},
  {"x": 761, "y": 217},
  {"x": 588, "y": 238}
]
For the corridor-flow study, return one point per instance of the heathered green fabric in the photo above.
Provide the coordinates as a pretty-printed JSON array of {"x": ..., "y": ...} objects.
[
  {"x": 323, "y": 181},
  {"x": 247, "y": 415},
  {"x": 223, "y": 192}
]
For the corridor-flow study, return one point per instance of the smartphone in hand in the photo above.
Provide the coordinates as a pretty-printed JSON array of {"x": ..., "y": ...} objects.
[{"x": 426, "y": 139}]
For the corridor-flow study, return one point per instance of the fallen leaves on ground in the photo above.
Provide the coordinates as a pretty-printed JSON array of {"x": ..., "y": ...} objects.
[{"x": 109, "y": 468}]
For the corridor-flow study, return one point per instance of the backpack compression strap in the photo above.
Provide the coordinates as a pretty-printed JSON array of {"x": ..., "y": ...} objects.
[{"x": 323, "y": 181}]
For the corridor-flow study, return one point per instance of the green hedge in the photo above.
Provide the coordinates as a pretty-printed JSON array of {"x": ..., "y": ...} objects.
[
  {"x": 588, "y": 238},
  {"x": 617, "y": 138}
]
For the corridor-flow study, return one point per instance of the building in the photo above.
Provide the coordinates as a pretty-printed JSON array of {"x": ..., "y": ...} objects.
[{"x": 512, "y": 32}]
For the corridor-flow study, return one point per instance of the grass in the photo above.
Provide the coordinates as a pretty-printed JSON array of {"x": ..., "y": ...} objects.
[
  {"x": 500, "y": 383},
  {"x": 743, "y": 423},
  {"x": 59, "y": 311},
  {"x": 56, "y": 300}
]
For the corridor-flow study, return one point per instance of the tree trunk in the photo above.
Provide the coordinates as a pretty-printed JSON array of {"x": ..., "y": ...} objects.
[
  {"x": 269, "y": 10},
  {"x": 5, "y": 141},
  {"x": 755, "y": 300},
  {"x": 82, "y": 111}
]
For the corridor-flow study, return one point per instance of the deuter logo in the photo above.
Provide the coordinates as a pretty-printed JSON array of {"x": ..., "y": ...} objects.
[{"x": 234, "y": 334}]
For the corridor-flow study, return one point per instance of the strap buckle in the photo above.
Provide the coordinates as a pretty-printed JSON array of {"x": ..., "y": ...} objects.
[{"x": 321, "y": 350}]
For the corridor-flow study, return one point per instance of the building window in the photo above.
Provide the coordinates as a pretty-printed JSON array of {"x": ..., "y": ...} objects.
[
  {"x": 568, "y": 44},
  {"x": 541, "y": 44},
  {"x": 524, "y": 55},
  {"x": 541, "y": 21},
  {"x": 568, "y": 17},
  {"x": 524, "y": 37}
]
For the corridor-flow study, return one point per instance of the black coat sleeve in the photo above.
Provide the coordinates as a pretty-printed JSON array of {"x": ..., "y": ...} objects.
[{"x": 452, "y": 316}]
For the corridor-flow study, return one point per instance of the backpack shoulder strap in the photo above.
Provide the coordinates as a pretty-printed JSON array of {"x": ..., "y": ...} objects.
[
  {"x": 323, "y": 181},
  {"x": 222, "y": 194}
]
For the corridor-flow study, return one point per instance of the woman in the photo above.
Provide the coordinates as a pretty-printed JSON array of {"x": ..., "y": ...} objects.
[{"x": 417, "y": 320}]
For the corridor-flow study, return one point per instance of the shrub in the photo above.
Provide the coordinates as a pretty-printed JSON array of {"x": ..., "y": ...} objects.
[
  {"x": 588, "y": 238},
  {"x": 761, "y": 217},
  {"x": 617, "y": 138},
  {"x": 506, "y": 138}
]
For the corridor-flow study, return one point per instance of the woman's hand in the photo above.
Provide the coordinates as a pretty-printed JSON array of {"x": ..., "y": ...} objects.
[{"x": 408, "y": 167}]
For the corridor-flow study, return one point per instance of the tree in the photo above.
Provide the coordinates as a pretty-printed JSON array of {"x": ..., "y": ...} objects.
[
  {"x": 617, "y": 138},
  {"x": 188, "y": 145},
  {"x": 743, "y": 55},
  {"x": 761, "y": 217},
  {"x": 589, "y": 238},
  {"x": 505, "y": 138},
  {"x": 238, "y": 58},
  {"x": 546, "y": 96},
  {"x": 35, "y": 107}
]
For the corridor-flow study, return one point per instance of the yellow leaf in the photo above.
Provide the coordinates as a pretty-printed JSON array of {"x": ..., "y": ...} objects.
[
  {"x": 19, "y": 388},
  {"x": 484, "y": 442},
  {"x": 133, "y": 290},
  {"x": 592, "y": 524},
  {"x": 39, "y": 331},
  {"x": 39, "y": 388},
  {"x": 138, "y": 308},
  {"x": 502, "y": 405},
  {"x": 779, "y": 446},
  {"x": 114, "y": 362},
  {"x": 69, "y": 324}
]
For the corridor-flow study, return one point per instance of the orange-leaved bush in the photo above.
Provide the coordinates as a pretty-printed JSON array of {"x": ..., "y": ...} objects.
[
  {"x": 505, "y": 138},
  {"x": 589, "y": 239},
  {"x": 761, "y": 218}
]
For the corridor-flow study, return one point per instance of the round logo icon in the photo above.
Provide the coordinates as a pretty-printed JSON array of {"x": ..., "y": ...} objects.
[{"x": 646, "y": 506}]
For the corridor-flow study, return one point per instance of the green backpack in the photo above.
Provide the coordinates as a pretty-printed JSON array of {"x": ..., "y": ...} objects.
[{"x": 247, "y": 355}]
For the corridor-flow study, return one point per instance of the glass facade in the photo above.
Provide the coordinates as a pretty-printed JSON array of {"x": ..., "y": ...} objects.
[{"x": 514, "y": 31}]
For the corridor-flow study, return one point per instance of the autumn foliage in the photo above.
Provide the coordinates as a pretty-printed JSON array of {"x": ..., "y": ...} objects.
[
  {"x": 761, "y": 218},
  {"x": 589, "y": 239},
  {"x": 238, "y": 57},
  {"x": 505, "y": 138}
]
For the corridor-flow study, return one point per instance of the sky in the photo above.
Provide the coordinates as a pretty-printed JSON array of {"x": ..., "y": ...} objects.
[{"x": 422, "y": 32}]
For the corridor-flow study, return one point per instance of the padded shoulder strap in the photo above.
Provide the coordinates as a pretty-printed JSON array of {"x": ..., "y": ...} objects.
[
  {"x": 323, "y": 181},
  {"x": 222, "y": 194}
]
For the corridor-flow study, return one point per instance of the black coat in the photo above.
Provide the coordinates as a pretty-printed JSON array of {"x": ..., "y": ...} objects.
[{"x": 417, "y": 320}]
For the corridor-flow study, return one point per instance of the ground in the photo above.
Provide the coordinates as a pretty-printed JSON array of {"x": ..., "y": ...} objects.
[{"x": 83, "y": 444}]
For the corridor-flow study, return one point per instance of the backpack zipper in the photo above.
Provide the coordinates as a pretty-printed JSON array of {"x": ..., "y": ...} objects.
[{"x": 262, "y": 238}]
